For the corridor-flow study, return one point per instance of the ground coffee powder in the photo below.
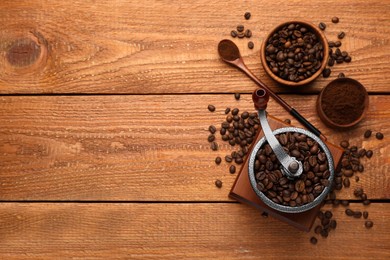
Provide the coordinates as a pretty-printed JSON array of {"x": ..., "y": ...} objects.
[{"x": 343, "y": 103}]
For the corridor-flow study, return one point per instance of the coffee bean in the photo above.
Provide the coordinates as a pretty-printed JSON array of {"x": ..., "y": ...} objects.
[
  {"x": 324, "y": 233},
  {"x": 228, "y": 158},
  {"x": 337, "y": 44},
  {"x": 344, "y": 144},
  {"x": 247, "y": 15},
  {"x": 214, "y": 146},
  {"x": 322, "y": 25},
  {"x": 241, "y": 35},
  {"x": 346, "y": 183},
  {"x": 251, "y": 45},
  {"x": 313, "y": 240},
  {"x": 335, "y": 19},
  {"x": 345, "y": 203},
  {"x": 328, "y": 214},
  {"x": 237, "y": 96},
  {"x": 348, "y": 59},
  {"x": 318, "y": 229},
  {"x": 232, "y": 169},
  {"x": 341, "y": 35},
  {"x": 212, "y": 129},
  {"x": 379, "y": 136},
  {"x": 357, "y": 214},
  {"x": 358, "y": 192},
  {"x": 368, "y": 224},
  {"x": 287, "y": 121},
  {"x": 211, "y": 108},
  {"x": 238, "y": 160},
  {"x": 326, "y": 72},
  {"x": 349, "y": 212},
  {"x": 366, "y": 202},
  {"x": 218, "y": 183},
  {"x": 235, "y": 111},
  {"x": 218, "y": 160},
  {"x": 357, "y": 178},
  {"x": 365, "y": 214},
  {"x": 248, "y": 33},
  {"x": 369, "y": 153},
  {"x": 348, "y": 173},
  {"x": 341, "y": 75},
  {"x": 233, "y": 33},
  {"x": 227, "y": 110},
  {"x": 240, "y": 28},
  {"x": 211, "y": 138}
]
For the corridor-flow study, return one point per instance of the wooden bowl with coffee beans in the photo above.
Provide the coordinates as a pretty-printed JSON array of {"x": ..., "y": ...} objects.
[{"x": 294, "y": 53}]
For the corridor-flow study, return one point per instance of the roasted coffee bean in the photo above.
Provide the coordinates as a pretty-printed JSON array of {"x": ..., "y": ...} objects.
[
  {"x": 348, "y": 59},
  {"x": 348, "y": 173},
  {"x": 241, "y": 35},
  {"x": 341, "y": 75},
  {"x": 313, "y": 240},
  {"x": 248, "y": 33},
  {"x": 357, "y": 178},
  {"x": 345, "y": 203},
  {"x": 358, "y": 192},
  {"x": 331, "y": 45},
  {"x": 218, "y": 160},
  {"x": 346, "y": 182},
  {"x": 238, "y": 160},
  {"x": 335, "y": 19},
  {"x": 247, "y": 15},
  {"x": 328, "y": 214},
  {"x": 227, "y": 110},
  {"x": 233, "y": 33},
  {"x": 214, "y": 146},
  {"x": 211, "y": 138},
  {"x": 322, "y": 26},
  {"x": 251, "y": 45},
  {"x": 357, "y": 214},
  {"x": 211, "y": 108},
  {"x": 379, "y": 136},
  {"x": 218, "y": 183},
  {"x": 344, "y": 144},
  {"x": 212, "y": 129},
  {"x": 240, "y": 28},
  {"x": 365, "y": 214},
  {"x": 235, "y": 111},
  {"x": 369, "y": 153},
  {"x": 228, "y": 158},
  {"x": 287, "y": 121},
  {"x": 368, "y": 224},
  {"x": 237, "y": 96},
  {"x": 349, "y": 212},
  {"x": 232, "y": 169},
  {"x": 366, "y": 202},
  {"x": 318, "y": 229},
  {"x": 326, "y": 72},
  {"x": 338, "y": 44},
  {"x": 324, "y": 233},
  {"x": 367, "y": 133}
]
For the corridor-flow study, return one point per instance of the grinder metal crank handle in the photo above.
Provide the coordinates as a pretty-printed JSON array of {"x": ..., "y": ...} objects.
[{"x": 290, "y": 165}]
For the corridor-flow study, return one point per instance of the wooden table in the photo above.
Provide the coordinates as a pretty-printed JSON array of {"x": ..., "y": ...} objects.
[{"x": 103, "y": 129}]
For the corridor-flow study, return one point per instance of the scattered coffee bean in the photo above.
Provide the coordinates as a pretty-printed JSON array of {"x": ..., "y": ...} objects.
[
  {"x": 341, "y": 35},
  {"x": 338, "y": 44},
  {"x": 357, "y": 214},
  {"x": 335, "y": 19},
  {"x": 369, "y": 224},
  {"x": 346, "y": 182},
  {"x": 366, "y": 202},
  {"x": 218, "y": 183},
  {"x": 317, "y": 230},
  {"x": 365, "y": 214},
  {"x": 227, "y": 110},
  {"x": 341, "y": 75},
  {"x": 367, "y": 133},
  {"x": 328, "y": 214},
  {"x": 211, "y": 138},
  {"x": 247, "y": 15},
  {"x": 345, "y": 203},
  {"x": 322, "y": 26},
  {"x": 369, "y": 153},
  {"x": 232, "y": 169},
  {"x": 241, "y": 35},
  {"x": 357, "y": 178},
  {"x": 251, "y": 45},
  {"x": 248, "y": 33},
  {"x": 214, "y": 146},
  {"x": 211, "y": 108},
  {"x": 235, "y": 111},
  {"x": 358, "y": 192},
  {"x": 326, "y": 72},
  {"x": 212, "y": 129},
  {"x": 349, "y": 212},
  {"x": 218, "y": 160},
  {"x": 287, "y": 121},
  {"x": 379, "y": 136},
  {"x": 237, "y": 96},
  {"x": 313, "y": 240},
  {"x": 228, "y": 158},
  {"x": 233, "y": 33},
  {"x": 240, "y": 28}
]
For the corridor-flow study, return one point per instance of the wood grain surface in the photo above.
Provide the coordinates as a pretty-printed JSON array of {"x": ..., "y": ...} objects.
[
  {"x": 103, "y": 129},
  {"x": 172, "y": 231},
  {"x": 145, "y": 147},
  {"x": 170, "y": 47}
]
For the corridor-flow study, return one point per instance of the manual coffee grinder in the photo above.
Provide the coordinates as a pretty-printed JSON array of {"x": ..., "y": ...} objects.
[{"x": 288, "y": 172}]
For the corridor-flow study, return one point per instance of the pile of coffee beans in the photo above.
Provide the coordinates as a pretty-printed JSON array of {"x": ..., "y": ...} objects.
[
  {"x": 239, "y": 129},
  {"x": 241, "y": 33},
  {"x": 294, "y": 53},
  {"x": 295, "y": 192},
  {"x": 335, "y": 54}
]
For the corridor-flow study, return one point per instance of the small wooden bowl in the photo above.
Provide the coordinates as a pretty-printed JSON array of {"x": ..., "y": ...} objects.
[
  {"x": 339, "y": 83},
  {"x": 321, "y": 37}
]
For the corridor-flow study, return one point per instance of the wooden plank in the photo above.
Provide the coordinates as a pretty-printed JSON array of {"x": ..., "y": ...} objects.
[
  {"x": 145, "y": 147},
  {"x": 170, "y": 47},
  {"x": 172, "y": 231}
]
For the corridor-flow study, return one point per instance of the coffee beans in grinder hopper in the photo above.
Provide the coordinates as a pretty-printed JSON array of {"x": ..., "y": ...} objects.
[{"x": 294, "y": 53}]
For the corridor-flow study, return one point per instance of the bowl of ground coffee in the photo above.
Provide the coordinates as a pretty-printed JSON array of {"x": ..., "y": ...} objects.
[
  {"x": 294, "y": 53},
  {"x": 342, "y": 103}
]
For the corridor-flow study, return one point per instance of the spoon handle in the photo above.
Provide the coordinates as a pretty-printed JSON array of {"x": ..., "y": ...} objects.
[{"x": 239, "y": 64}]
